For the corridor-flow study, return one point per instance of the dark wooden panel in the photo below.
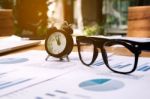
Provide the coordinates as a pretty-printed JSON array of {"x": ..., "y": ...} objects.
[
  {"x": 139, "y": 21},
  {"x": 6, "y": 22}
]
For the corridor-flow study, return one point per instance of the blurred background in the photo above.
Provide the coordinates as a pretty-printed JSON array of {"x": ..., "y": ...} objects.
[{"x": 32, "y": 18}]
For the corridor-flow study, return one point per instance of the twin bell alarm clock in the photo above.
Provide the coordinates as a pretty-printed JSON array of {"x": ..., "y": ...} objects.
[{"x": 59, "y": 42}]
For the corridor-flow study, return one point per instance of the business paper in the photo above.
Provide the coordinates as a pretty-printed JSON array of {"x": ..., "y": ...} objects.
[
  {"x": 35, "y": 58},
  {"x": 31, "y": 77},
  {"x": 23, "y": 70},
  {"x": 85, "y": 83}
]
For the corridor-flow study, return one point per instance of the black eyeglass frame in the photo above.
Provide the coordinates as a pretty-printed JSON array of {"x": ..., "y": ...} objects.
[{"x": 133, "y": 46}]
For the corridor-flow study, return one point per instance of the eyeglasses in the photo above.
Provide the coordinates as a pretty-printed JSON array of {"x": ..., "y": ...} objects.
[{"x": 119, "y": 55}]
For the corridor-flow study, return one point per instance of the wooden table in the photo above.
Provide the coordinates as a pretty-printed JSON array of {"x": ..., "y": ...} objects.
[
  {"x": 42, "y": 47},
  {"x": 6, "y": 22},
  {"x": 37, "y": 47}
]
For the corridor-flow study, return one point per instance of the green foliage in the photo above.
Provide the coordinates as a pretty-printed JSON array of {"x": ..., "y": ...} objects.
[{"x": 94, "y": 30}]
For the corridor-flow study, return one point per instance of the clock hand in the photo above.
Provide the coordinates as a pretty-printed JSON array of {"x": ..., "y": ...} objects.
[
  {"x": 57, "y": 40},
  {"x": 59, "y": 43}
]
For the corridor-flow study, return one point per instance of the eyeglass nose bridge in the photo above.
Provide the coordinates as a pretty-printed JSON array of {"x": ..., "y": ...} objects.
[
  {"x": 104, "y": 56},
  {"x": 95, "y": 54}
]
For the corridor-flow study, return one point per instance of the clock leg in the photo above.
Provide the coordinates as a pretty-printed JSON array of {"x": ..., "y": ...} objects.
[
  {"x": 61, "y": 59},
  {"x": 67, "y": 58},
  {"x": 47, "y": 57}
]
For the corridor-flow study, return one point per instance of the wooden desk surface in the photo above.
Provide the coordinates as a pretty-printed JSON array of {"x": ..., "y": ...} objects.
[
  {"x": 42, "y": 47},
  {"x": 37, "y": 47}
]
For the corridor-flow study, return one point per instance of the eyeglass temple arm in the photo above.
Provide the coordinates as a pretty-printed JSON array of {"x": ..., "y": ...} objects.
[{"x": 145, "y": 46}]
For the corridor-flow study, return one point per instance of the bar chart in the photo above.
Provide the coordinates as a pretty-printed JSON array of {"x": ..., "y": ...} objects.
[{"x": 12, "y": 60}]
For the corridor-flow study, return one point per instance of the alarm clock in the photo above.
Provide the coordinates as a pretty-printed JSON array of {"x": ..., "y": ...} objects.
[{"x": 59, "y": 42}]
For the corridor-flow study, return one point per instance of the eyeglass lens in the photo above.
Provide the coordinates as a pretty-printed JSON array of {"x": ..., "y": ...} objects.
[
  {"x": 86, "y": 51},
  {"x": 121, "y": 59}
]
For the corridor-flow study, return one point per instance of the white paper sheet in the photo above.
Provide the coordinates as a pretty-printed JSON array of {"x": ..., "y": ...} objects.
[
  {"x": 96, "y": 82},
  {"x": 20, "y": 71},
  {"x": 79, "y": 85},
  {"x": 14, "y": 42}
]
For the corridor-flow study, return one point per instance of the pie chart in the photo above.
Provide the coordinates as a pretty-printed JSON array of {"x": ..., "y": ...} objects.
[{"x": 100, "y": 85}]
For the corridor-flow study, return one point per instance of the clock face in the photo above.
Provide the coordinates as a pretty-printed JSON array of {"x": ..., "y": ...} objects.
[{"x": 56, "y": 43}]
